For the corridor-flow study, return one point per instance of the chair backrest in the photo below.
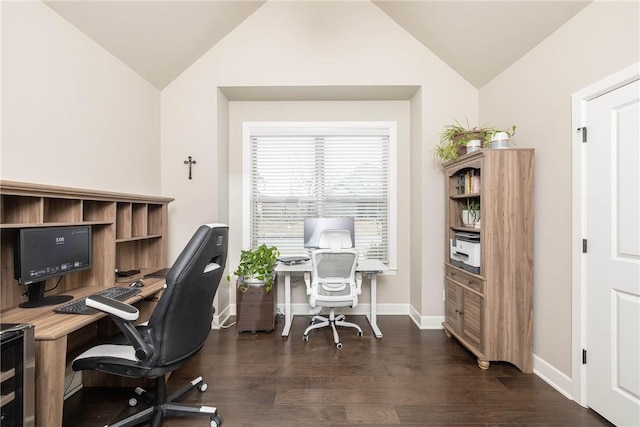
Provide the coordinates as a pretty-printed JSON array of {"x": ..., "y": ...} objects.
[
  {"x": 181, "y": 321},
  {"x": 333, "y": 270},
  {"x": 328, "y": 264},
  {"x": 335, "y": 239}
]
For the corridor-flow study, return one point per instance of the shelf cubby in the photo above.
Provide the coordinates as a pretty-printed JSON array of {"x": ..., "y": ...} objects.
[
  {"x": 155, "y": 224},
  {"x": 62, "y": 210},
  {"x": 18, "y": 210},
  {"x": 123, "y": 220},
  {"x": 139, "y": 219},
  {"x": 97, "y": 211}
]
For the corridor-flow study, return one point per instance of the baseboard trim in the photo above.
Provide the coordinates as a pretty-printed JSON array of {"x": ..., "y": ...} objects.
[
  {"x": 221, "y": 318},
  {"x": 302, "y": 309},
  {"x": 552, "y": 376},
  {"x": 425, "y": 322}
]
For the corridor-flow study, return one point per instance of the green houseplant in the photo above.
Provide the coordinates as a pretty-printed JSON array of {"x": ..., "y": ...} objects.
[
  {"x": 454, "y": 139},
  {"x": 470, "y": 212},
  {"x": 256, "y": 266}
]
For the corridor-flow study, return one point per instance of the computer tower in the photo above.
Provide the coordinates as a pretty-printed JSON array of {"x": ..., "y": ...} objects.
[{"x": 17, "y": 375}]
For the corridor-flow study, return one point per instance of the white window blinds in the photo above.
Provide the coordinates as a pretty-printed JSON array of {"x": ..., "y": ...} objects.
[{"x": 311, "y": 172}]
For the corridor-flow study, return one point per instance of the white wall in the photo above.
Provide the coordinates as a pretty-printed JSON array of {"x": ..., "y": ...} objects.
[
  {"x": 72, "y": 114},
  {"x": 535, "y": 94},
  {"x": 312, "y": 44}
]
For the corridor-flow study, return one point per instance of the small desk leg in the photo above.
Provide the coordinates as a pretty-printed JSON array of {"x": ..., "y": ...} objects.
[
  {"x": 50, "y": 367},
  {"x": 288, "y": 316},
  {"x": 373, "y": 315}
]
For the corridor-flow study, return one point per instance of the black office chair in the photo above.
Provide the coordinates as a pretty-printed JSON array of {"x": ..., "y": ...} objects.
[{"x": 176, "y": 331}]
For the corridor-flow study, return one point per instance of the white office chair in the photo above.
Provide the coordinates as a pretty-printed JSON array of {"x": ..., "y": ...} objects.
[{"x": 333, "y": 282}]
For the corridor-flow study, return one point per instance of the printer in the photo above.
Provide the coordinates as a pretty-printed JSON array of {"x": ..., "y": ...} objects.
[{"x": 465, "y": 251}]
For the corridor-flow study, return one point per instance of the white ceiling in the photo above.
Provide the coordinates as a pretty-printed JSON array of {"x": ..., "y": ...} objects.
[{"x": 161, "y": 38}]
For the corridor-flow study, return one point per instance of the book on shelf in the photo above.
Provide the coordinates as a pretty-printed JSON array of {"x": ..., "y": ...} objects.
[
  {"x": 469, "y": 182},
  {"x": 475, "y": 182}
]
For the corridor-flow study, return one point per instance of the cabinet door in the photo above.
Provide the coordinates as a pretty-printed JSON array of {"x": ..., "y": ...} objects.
[
  {"x": 464, "y": 314},
  {"x": 471, "y": 318},
  {"x": 451, "y": 316}
]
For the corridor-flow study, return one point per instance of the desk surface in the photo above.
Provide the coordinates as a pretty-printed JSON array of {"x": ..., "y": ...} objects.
[
  {"x": 51, "y": 326},
  {"x": 364, "y": 266}
]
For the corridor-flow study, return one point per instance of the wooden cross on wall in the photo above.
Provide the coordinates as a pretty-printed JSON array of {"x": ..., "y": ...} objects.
[{"x": 189, "y": 162}]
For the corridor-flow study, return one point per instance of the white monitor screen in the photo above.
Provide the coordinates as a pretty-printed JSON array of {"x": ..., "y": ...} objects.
[{"x": 313, "y": 227}]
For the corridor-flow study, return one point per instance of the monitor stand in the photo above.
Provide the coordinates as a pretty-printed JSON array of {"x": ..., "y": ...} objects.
[{"x": 37, "y": 299}]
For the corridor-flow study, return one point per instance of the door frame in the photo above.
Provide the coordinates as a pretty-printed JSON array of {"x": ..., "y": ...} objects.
[{"x": 579, "y": 102}]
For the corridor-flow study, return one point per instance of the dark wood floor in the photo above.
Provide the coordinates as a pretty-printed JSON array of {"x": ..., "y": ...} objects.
[{"x": 411, "y": 377}]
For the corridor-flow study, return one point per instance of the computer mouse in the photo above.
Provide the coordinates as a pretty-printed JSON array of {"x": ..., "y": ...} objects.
[{"x": 137, "y": 284}]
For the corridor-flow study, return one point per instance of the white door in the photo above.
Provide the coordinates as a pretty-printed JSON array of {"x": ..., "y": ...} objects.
[{"x": 613, "y": 255}]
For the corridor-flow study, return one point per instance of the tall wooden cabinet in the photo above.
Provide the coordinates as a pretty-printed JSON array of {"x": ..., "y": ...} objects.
[
  {"x": 489, "y": 308},
  {"x": 128, "y": 231}
]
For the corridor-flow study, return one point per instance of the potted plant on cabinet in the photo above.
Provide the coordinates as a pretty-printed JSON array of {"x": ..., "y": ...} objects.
[
  {"x": 256, "y": 267},
  {"x": 470, "y": 213},
  {"x": 456, "y": 139},
  {"x": 500, "y": 138}
]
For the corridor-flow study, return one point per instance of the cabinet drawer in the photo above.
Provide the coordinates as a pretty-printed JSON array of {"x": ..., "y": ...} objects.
[
  {"x": 254, "y": 294},
  {"x": 258, "y": 310},
  {"x": 465, "y": 279},
  {"x": 256, "y": 316}
]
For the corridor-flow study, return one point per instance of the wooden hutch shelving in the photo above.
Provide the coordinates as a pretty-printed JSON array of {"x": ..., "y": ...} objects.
[
  {"x": 128, "y": 231},
  {"x": 490, "y": 311}
]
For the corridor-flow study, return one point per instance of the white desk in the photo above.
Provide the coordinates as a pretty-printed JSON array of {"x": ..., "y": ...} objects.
[{"x": 367, "y": 267}]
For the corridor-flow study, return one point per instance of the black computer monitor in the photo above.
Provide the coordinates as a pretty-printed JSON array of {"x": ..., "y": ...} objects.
[
  {"x": 46, "y": 252},
  {"x": 313, "y": 227}
]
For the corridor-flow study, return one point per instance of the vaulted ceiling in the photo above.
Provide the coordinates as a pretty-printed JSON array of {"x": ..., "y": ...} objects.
[{"x": 161, "y": 38}]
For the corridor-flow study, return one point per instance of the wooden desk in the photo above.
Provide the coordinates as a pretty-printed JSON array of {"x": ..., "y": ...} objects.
[
  {"x": 51, "y": 334},
  {"x": 128, "y": 232}
]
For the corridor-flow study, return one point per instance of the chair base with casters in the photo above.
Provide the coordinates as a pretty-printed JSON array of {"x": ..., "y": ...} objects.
[
  {"x": 318, "y": 322},
  {"x": 162, "y": 406}
]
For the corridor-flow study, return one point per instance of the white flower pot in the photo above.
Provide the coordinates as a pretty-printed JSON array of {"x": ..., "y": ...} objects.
[
  {"x": 500, "y": 140},
  {"x": 470, "y": 217},
  {"x": 473, "y": 145}
]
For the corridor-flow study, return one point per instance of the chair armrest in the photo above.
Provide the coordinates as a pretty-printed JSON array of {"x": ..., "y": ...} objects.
[
  {"x": 122, "y": 314},
  {"x": 307, "y": 282},
  {"x": 358, "y": 283},
  {"x": 113, "y": 307}
]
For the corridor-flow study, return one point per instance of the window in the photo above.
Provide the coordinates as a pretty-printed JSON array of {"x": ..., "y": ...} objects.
[{"x": 300, "y": 170}]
